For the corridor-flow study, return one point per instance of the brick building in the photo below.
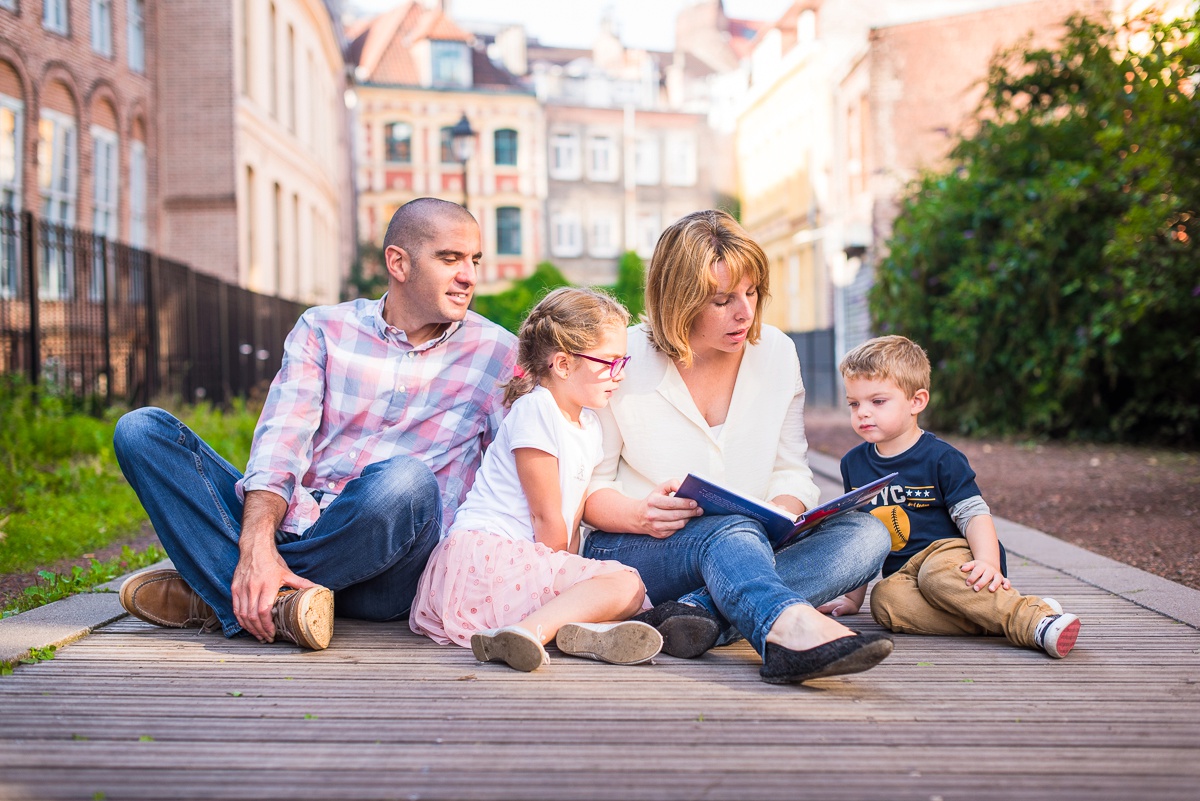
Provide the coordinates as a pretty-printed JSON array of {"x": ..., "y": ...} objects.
[
  {"x": 77, "y": 133},
  {"x": 849, "y": 100},
  {"x": 253, "y": 128},
  {"x": 418, "y": 74}
]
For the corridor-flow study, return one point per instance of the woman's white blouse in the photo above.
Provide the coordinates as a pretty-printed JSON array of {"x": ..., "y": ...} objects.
[{"x": 654, "y": 432}]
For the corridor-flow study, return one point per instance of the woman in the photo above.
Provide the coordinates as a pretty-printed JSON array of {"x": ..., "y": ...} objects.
[{"x": 709, "y": 389}]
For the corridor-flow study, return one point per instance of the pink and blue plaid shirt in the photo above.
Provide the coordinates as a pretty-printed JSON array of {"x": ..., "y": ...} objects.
[{"x": 352, "y": 391}]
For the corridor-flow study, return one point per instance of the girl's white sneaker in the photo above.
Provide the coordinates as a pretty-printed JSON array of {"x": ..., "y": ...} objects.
[
  {"x": 512, "y": 645},
  {"x": 627, "y": 643}
]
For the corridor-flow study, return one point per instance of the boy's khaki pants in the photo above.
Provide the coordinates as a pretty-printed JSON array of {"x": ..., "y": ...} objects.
[{"x": 929, "y": 595}]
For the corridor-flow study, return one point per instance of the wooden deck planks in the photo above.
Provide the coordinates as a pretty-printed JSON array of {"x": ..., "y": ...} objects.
[{"x": 138, "y": 712}]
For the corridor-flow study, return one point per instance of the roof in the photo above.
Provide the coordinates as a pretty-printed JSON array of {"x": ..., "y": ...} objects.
[{"x": 381, "y": 47}]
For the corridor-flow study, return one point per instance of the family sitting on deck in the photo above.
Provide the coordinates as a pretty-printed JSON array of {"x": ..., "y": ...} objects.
[{"x": 414, "y": 459}]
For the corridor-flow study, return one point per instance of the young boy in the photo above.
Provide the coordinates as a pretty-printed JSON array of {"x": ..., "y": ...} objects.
[{"x": 946, "y": 572}]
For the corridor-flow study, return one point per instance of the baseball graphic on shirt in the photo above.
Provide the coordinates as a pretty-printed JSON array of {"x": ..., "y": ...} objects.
[{"x": 896, "y": 520}]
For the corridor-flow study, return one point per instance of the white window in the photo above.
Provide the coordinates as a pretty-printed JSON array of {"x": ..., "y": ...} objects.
[
  {"x": 104, "y": 215},
  {"x": 11, "y": 115},
  {"x": 648, "y": 229},
  {"x": 566, "y": 239},
  {"x": 102, "y": 27},
  {"x": 681, "y": 160},
  {"x": 646, "y": 170},
  {"x": 564, "y": 157},
  {"x": 11, "y": 5},
  {"x": 54, "y": 15},
  {"x": 603, "y": 241},
  {"x": 57, "y": 176},
  {"x": 137, "y": 195},
  {"x": 137, "y": 35},
  {"x": 451, "y": 64},
  {"x": 602, "y": 159}
]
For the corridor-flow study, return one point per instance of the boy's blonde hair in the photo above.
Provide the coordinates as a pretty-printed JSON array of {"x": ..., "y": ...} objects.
[
  {"x": 891, "y": 358},
  {"x": 570, "y": 320},
  {"x": 681, "y": 279}
]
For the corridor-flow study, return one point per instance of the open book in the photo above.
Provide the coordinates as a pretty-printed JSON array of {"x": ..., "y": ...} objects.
[{"x": 782, "y": 528}]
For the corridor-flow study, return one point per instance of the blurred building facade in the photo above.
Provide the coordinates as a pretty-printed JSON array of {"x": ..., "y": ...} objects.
[
  {"x": 229, "y": 155},
  {"x": 418, "y": 73},
  {"x": 255, "y": 168},
  {"x": 634, "y": 139},
  {"x": 849, "y": 100},
  {"x": 77, "y": 119}
]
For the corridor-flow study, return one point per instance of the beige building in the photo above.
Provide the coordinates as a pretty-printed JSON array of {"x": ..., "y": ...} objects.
[
  {"x": 849, "y": 100},
  {"x": 254, "y": 162},
  {"x": 418, "y": 74}
]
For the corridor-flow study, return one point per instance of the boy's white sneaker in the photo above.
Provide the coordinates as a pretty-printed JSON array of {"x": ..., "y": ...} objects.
[
  {"x": 511, "y": 645},
  {"x": 1056, "y": 634},
  {"x": 1053, "y": 604},
  {"x": 628, "y": 643}
]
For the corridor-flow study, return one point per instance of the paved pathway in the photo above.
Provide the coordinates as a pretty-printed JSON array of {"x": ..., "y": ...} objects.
[{"x": 132, "y": 711}]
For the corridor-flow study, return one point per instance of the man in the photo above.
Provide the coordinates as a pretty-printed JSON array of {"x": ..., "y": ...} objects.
[{"x": 368, "y": 441}]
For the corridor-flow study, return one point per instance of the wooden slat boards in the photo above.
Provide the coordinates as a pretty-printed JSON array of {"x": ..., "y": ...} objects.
[{"x": 138, "y": 712}]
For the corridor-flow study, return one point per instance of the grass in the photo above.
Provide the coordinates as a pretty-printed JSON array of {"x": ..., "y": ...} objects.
[
  {"x": 61, "y": 491},
  {"x": 53, "y": 586}
]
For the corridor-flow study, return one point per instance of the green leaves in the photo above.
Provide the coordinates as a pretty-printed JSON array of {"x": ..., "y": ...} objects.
[{"x": 1052, "y": 269}]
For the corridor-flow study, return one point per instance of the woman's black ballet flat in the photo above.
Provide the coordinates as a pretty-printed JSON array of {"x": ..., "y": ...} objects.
[
  {"x": 687, "y": 631},
  {"x": 852, "y": 654}
]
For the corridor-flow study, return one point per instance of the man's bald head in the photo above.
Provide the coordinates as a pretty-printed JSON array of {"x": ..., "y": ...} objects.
[{"x": 418, "y": 221}]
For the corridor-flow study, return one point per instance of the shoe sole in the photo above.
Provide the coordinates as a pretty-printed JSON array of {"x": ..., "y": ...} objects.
[
  {"x": 628, "y": 643},
  {"x": 687, "y": 637},
  {"x": 316, "y": 619},
  {"x": 138, "y": 581},
  {"x": 1066, "y": 640},
  {"x": 864, "y": 658},
  {"x": 516, "y": 651}
]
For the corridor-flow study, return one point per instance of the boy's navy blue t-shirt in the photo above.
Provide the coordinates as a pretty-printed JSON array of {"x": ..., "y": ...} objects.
[{"x": 915, "y": 507}]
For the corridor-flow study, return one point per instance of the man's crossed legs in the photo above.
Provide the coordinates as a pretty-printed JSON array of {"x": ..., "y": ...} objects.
[{"x": 368, "y": 547}]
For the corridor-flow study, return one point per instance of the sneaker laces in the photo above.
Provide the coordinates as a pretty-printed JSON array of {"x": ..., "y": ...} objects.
[{"x": 1043, "y": 626}]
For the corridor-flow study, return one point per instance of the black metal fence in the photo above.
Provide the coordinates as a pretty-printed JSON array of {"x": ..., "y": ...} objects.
[
  {"x": 818, "y": 366},
  {"x": 106, "y": 322}
]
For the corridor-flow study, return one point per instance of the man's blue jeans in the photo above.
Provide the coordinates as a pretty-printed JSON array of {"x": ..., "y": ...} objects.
[
  {"x": 725, "y": 563},
  {"x": 369, "y": 545}
]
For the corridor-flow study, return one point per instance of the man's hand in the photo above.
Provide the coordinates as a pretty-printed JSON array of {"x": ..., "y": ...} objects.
[
  {"x": 260, "y": 570},
  {"x": 661, "y": 514},
  {"x": 981, "y": 574},
  {"x": 260, "y": 573}
]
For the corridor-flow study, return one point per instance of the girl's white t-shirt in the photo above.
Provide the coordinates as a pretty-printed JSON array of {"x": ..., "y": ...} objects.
[{"x": 496, "y": 502}]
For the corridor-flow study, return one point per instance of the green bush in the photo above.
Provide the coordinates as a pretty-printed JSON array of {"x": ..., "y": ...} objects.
[
  {"x": 61, "y": 491},
  {"x": 1052, "y": 271},
  {"x": 509, "y": 308}
]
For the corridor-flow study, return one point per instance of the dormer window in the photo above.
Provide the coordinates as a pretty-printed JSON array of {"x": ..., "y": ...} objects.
[{"x": 451, "y": 64}]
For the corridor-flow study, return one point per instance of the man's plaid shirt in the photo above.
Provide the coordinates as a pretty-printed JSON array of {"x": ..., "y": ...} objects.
[{"x": 353, "y": 391}]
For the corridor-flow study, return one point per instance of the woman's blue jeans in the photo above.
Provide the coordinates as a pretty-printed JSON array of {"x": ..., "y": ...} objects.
[
  {"x": 369, "y": 545},
  {"x": 725, "y": 563}
]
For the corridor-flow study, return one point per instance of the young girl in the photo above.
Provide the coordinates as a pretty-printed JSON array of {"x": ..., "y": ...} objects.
[{"x": 508, "y": 578}]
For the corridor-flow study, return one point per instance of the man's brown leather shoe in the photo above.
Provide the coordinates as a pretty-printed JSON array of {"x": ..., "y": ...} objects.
[
  {"x": 163, "y": 598},
  {"x": 304, "y": 617}
]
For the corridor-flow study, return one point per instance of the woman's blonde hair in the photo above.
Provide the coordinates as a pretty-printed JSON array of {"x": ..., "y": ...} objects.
[
  {"x": 570, "y": 320},
  {"x": 682, "y": 277}
]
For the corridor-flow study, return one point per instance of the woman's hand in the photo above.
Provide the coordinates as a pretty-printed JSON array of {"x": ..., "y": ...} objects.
[{"x": 661, "y": 514}]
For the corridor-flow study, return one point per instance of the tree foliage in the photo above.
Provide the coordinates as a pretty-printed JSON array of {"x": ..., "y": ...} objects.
[
  {"x": 1052, "y": 272},
  {"x": 509, "y": 308}
]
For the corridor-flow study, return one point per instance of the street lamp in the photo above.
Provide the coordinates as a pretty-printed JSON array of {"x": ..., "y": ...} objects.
[{"x": 462, "y": 142}]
